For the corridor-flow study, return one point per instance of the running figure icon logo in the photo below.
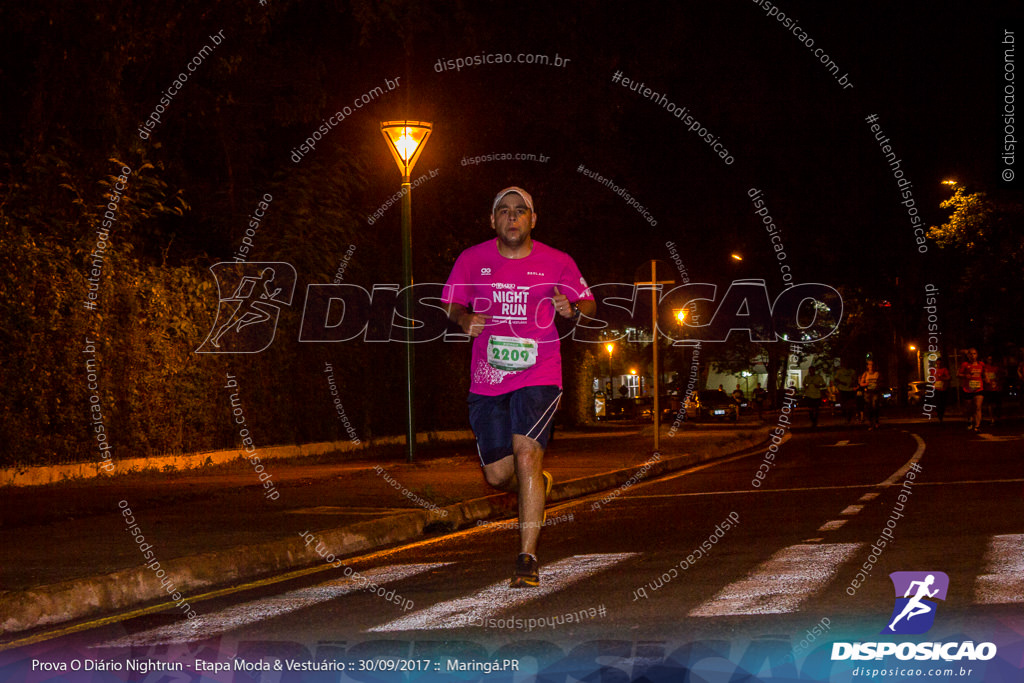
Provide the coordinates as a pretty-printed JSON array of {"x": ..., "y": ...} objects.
[
  {"x": 247, "y": 317},
  {"x": 916, "y": 595}
]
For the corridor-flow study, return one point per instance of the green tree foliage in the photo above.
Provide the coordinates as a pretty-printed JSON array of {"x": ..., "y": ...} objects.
[
  {"x": 139, "y": 330},
  {"x": 982, "y": 246},
  {"x": 156, "y": 298}
]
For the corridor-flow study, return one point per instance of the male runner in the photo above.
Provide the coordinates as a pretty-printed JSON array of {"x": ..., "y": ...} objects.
[
  {"x": 871, "y": 384},
  {"x": 813, "y": 384},
  {"x": 972, "y": 384},
  {"x": 846, "y": 382},
  {"x": 505, "y": 293}
]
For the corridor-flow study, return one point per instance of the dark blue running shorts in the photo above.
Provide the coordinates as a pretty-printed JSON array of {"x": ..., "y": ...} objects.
[{"x": 527, "y": 411}]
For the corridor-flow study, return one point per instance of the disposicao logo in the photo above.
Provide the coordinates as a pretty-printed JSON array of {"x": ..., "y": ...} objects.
[
  {"x": 251, "y": 296},
  {"x": 916, "y": 597}
]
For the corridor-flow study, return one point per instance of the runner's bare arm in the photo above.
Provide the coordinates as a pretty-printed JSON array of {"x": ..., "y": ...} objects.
[
  {"x": 588, "y": 307},
  {"x": 471, "y": 323},
  {"x": 564, "y": 307}
]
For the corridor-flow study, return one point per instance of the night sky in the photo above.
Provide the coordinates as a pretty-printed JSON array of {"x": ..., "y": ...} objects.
[{"x": 932, "y": 74}]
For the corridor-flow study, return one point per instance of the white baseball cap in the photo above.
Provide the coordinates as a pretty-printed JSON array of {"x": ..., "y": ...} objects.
[{"x": 518, "y": 190}]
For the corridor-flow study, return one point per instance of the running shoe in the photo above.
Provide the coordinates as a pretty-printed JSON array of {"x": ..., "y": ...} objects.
[{"x": 527, "y": 574}]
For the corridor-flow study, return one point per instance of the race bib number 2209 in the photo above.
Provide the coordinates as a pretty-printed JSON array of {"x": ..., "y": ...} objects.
[{"x": 511, "y": 353}]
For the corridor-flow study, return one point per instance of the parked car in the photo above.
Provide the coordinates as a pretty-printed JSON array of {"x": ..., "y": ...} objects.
[
  {"x": 711, "y": 405},
  {"x": 645, "y": 406},
  {"x": 916, "y": 392}
]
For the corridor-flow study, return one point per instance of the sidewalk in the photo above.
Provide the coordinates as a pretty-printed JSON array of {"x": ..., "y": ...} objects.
[{"x": 80, "y": 549}]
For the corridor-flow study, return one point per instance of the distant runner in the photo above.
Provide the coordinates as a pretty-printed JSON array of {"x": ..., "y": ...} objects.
[
  {"x": 871, "y": 385},
  {"x": 813, "y": 384},
  {"x": 972, "y": 384},
  {"x": 995, "y": 379},
  {"x": 846, "y": 381}
]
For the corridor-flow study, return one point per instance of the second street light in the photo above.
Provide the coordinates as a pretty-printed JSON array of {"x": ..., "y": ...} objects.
[
  {"x": 406, "y": 140},
  {"x": 655, "y": 285},
  {"x": 917, "y": 364},
  {"x": 610, "y": 347}
]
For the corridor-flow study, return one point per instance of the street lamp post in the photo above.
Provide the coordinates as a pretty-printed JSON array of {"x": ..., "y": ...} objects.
[
  {"x": 610, "y": 347},
  {"x": 654, "y": 285},
  {"x": 406, "y": 140}
]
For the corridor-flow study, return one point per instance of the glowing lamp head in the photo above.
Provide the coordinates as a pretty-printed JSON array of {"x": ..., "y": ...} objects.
[
  {"x": 406, "y": 145},
  {"x": 406, "y": 140}
]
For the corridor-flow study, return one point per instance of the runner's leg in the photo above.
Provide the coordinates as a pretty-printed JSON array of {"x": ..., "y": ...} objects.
[
  {"x": 502, "y": 474},
  {"x": 491, "y": 421},
  {"x": 529, "y": 457}
]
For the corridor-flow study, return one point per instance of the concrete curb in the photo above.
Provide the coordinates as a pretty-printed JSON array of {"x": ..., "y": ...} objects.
[
  {"x": 132, "y": 588},
  {"x": 52, "y": 474}
]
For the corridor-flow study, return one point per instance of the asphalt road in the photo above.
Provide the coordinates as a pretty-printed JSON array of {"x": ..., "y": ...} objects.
[{"x": 711, "y": 557}]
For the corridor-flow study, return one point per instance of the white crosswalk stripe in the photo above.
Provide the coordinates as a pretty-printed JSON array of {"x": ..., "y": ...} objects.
[
  {"x": 788, "y": 579},
  {"x": 1003, "y": 580},
  {"x": 209, "y": 625},
  {"x": 498, "y": 597},
  {"x": 780, "y": 584}
]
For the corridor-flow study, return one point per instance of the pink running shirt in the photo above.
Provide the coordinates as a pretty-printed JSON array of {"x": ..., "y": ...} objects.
[{"x": 515, "y": 295}]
